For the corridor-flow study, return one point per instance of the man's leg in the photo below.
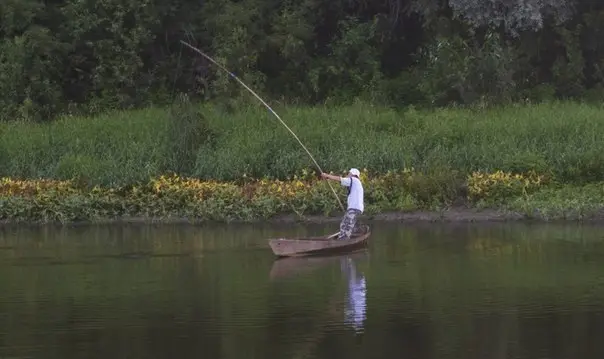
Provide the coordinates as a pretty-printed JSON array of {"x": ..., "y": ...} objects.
[{"x": 347, "y": 224}]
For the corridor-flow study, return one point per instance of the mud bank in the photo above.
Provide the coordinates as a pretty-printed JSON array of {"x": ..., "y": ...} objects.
[{"x": 455, "y": 215}]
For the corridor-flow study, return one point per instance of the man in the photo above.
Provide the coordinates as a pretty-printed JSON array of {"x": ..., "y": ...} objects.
[{"x": 355, "y": 200}]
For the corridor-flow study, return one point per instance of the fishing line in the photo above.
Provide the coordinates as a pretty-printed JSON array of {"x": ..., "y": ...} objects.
[{"x": 267, "y": 106}]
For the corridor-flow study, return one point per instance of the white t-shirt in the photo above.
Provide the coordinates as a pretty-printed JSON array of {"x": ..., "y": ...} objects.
[{"x": 355, "y": 198}]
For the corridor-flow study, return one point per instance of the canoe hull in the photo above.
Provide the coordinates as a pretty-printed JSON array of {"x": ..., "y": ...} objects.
[{"x": 284, "y": 247}]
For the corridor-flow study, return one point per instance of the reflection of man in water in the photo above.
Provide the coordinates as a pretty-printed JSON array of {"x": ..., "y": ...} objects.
[{"x": 355, "y": 304}]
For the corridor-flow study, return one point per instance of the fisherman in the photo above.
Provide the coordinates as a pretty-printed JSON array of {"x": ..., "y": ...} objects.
[{"x": 355, "y": 200}]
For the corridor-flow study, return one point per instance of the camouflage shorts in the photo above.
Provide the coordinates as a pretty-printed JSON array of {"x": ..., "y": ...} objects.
[{"x": 348, "y": 222}]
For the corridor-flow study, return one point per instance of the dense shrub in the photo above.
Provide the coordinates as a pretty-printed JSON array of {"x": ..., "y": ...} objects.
[{"x": 253, "y": 199}]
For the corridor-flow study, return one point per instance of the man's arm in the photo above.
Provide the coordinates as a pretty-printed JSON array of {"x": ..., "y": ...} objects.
[
  {"x": 344, "y": 181},
  {"x": 331, "y": 177}
]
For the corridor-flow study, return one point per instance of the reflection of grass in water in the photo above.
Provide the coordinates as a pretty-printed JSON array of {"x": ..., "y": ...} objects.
[
  {"x": 449, "y": 281},
  {"x": 525, "y": 258},
  {"x": 489, "y": 284}
]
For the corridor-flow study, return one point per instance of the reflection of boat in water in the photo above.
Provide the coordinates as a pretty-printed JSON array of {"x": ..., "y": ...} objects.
[
  {"x": 296, "y": 247},
  {"x": 352, "y": 307},
  {"x": 287, "y": 267}
]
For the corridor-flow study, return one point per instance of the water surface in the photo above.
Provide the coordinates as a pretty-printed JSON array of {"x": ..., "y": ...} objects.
[{"x": 216, "y": 291}]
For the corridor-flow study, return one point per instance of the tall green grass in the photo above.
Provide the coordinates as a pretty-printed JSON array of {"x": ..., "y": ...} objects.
[{"x": 564, "y": 139}]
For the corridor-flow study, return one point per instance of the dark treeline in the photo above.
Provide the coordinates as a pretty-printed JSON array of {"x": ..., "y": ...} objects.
[{"x": 86, "y": 56}]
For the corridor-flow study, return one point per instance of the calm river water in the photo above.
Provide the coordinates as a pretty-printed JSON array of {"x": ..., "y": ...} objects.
[{"x": 431, "y": 291}]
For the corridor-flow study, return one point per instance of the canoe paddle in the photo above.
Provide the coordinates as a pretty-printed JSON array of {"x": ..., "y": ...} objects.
[{"x": 333, "y": 235}]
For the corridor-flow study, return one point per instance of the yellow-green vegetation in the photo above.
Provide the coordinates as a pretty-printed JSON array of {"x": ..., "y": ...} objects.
[
  {"x": 173, "y": 196},
  {"x": 304, "y": 194},
  {"x": 543, "y": 161},
  {"x": 499, "y": 186}
]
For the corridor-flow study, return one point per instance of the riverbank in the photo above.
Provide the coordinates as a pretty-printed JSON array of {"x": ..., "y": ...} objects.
[
  {"x": 404, "y": 195},
  {"x": 450, "y": 215},
  {"x": 537, "y": 162}
]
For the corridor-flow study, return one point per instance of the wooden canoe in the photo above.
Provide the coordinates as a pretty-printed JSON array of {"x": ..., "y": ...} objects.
[{"x": 298, "y": 247}]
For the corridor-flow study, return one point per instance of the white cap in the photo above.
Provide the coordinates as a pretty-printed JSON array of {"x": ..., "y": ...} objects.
[{"x": 354, "y": 172}]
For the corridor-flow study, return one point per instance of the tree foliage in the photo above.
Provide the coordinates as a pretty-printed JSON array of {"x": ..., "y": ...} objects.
[
  {"x": 513, "y": 15},
  {"x": 88, "y": 56}
]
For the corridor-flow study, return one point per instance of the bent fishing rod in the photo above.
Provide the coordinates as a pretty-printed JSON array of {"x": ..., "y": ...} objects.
[{"x": 267, "y": 106}]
